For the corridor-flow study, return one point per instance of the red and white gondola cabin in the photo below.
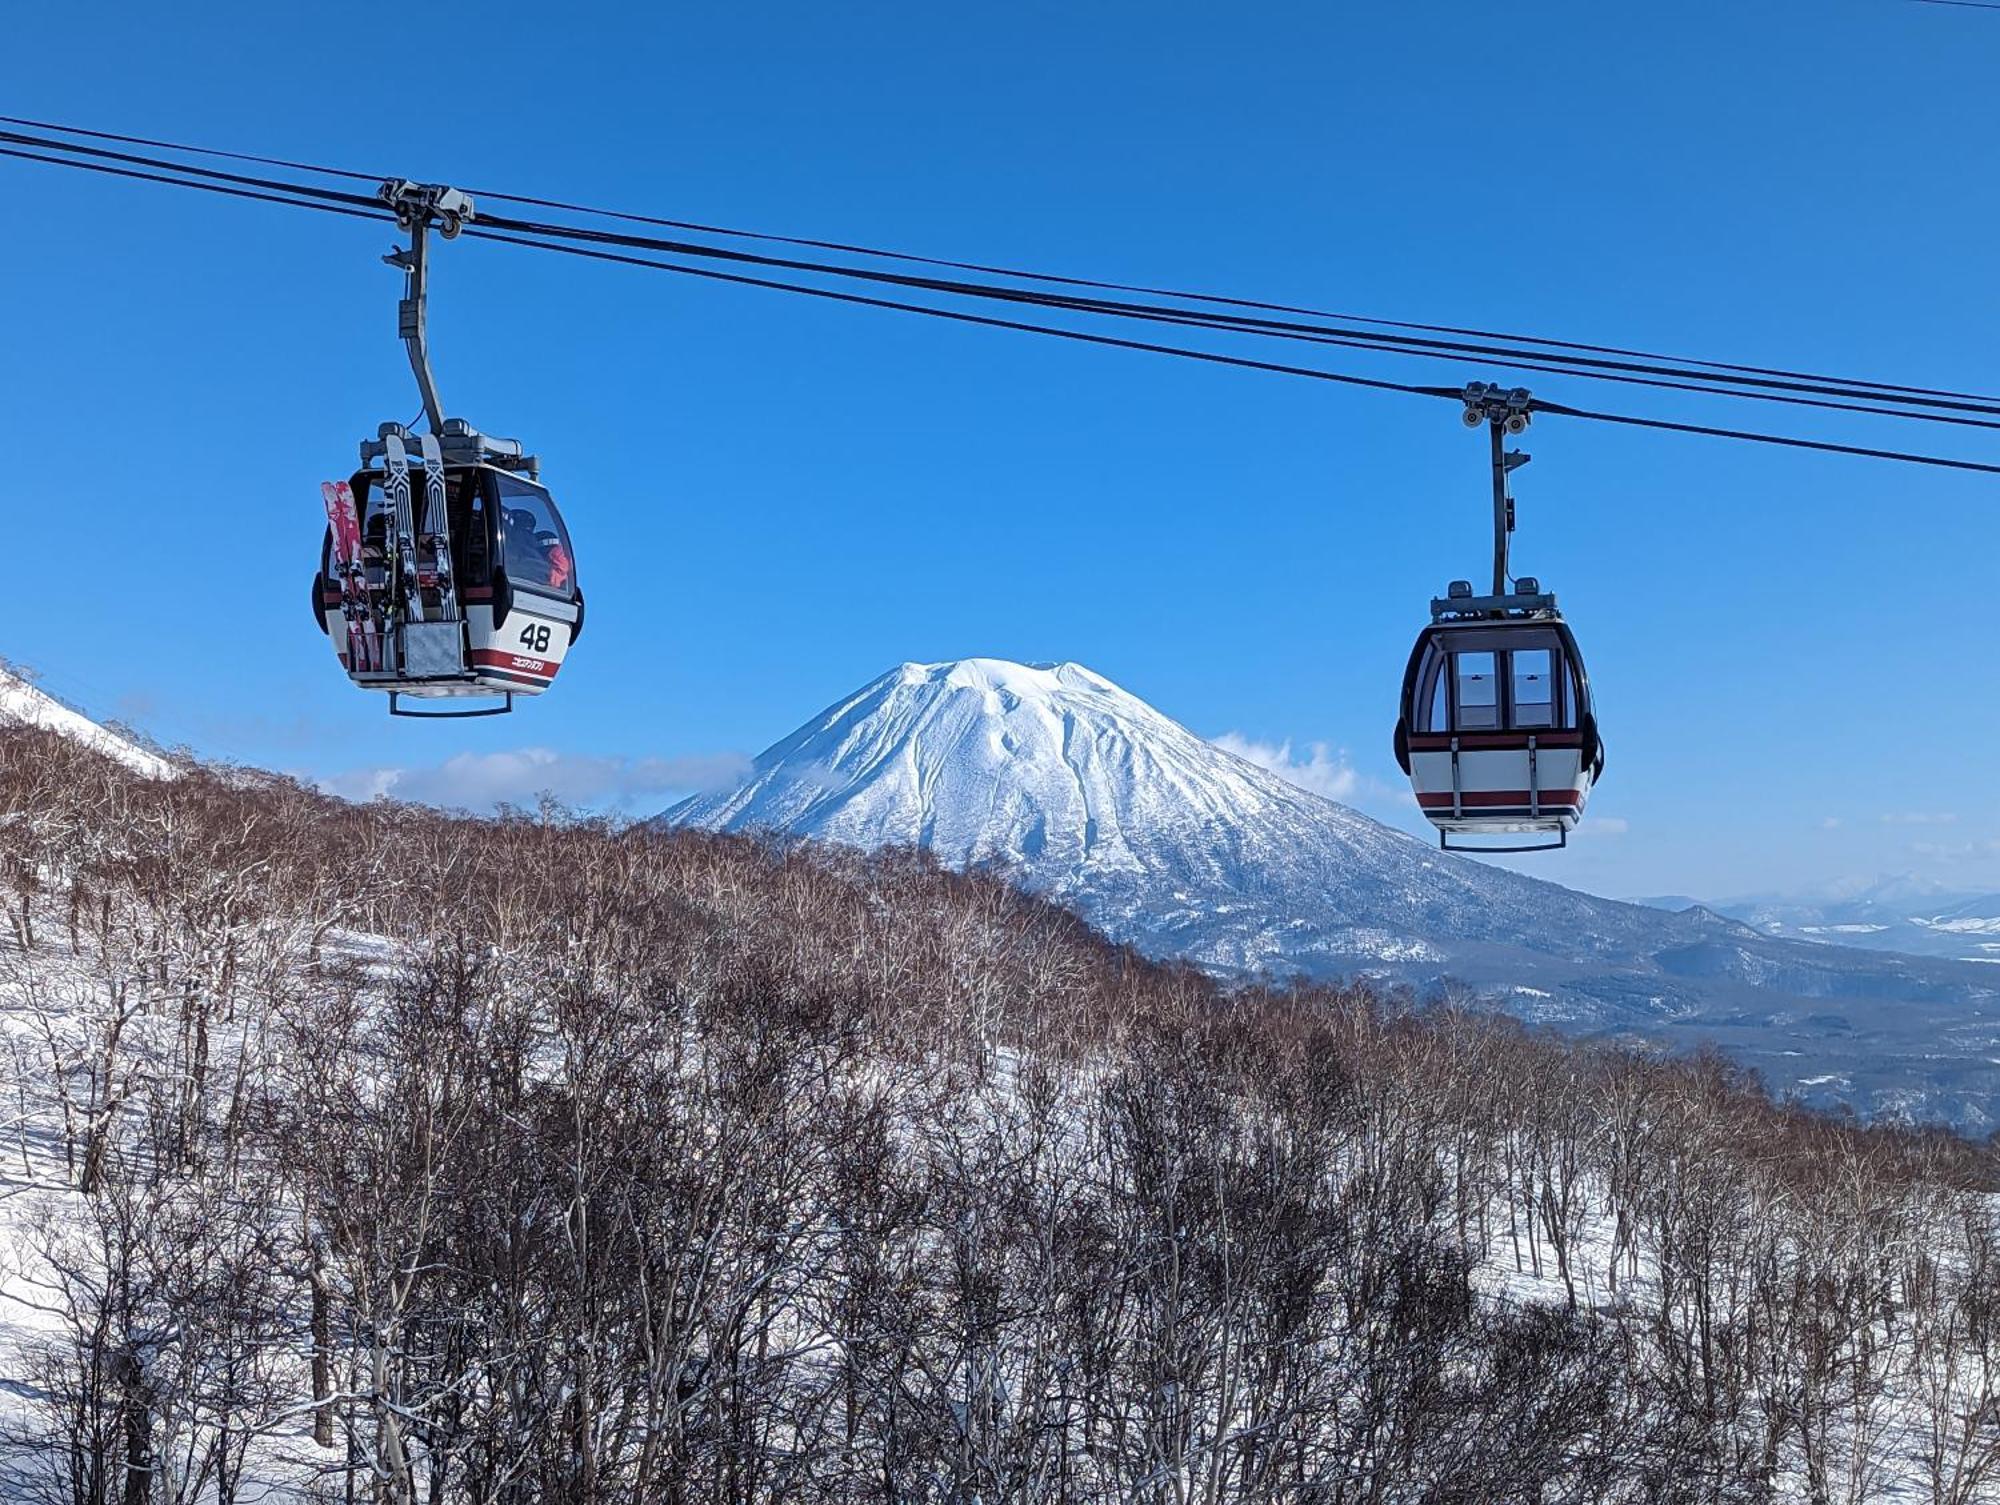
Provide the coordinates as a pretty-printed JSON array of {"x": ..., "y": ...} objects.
[
  {"x": 515, "y": 573},
  {"x": 1497, "y": 733}
]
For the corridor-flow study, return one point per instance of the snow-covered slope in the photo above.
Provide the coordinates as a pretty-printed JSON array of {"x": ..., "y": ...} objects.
[
  {"x": 22, "y": 704},
  {"x": 1089, "y": 795}
]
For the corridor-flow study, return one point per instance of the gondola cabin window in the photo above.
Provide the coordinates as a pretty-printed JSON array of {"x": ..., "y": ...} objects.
[
  {"x": 1478, "y": 691},
  {"x": 467, "y": 511},
  {"x": 465, "y": 520},
  {"x": 1498, "y": 680},
  {"x": 377, "y": 527},
  {"x": 1533, "y": 690},
  {"x": 535, "y": 544}
]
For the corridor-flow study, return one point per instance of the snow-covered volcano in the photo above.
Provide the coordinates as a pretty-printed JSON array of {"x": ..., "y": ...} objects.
[
  {"x": 1049, "y": 769},
  {"x": 1087, "y": 794},
  {"x": 23, "y": 704}
]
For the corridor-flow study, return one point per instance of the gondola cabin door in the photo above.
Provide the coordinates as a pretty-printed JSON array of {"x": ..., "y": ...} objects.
[{"x": 535, "y": 607}]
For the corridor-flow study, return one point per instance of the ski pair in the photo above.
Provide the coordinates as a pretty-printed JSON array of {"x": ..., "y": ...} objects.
[
  {"x": 364, "y": 638},
  {"x": 436, "y": 535}
]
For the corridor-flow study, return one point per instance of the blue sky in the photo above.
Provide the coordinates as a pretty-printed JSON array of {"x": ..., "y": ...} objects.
[{"x": 773, "y": 500}]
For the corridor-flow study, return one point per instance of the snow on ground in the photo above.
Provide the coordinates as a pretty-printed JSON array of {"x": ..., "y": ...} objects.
[
  {"x": 38, "y": 1205},
  {"x": 23, "y": 703},
  {"x": 1081, "y": 791},
  {"x": 43, "y": 1217},
  {"x": 1521, "y": 1270}
]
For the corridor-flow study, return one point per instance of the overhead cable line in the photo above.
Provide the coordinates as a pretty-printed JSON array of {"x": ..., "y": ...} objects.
[
  {"x": 1232, "y": 302},
  {"x": 173, "y": 182},
  {"x": 1680, "y": 378},
  {"x": 1873, "y": 389},
  {"x": 1454, "y": 394},
  {"x": 302, "y": 190},
  {"x": 959, "y": 316},
  {"x": 1709, "y": 382},
  {"x": 1618, "y": 371},
  {"x": 563, "y": 241},
  {"x": 1788, "y": 441},
  {"x": 198, "y": 151}
]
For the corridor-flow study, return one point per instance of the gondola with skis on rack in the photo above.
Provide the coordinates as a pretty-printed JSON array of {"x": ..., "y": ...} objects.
[{"x": 446, "y": 570}]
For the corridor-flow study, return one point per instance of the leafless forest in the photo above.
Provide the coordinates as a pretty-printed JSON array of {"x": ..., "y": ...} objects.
[{"x": 378, "y": 1155}]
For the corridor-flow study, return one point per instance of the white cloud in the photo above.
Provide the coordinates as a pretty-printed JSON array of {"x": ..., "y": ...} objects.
[
  {"x": 1602, "y": 825},
  {"x": 1323, "y": 770},
  {"x": 1919, "y": 818},
  {"x": 481, "y": 781},
  {"x": 1829, "y": 822}
]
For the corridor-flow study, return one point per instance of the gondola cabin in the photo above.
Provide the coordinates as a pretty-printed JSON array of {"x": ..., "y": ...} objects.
[
  {"x": 496, "y": 617},
  {"x": 1496, "y": 732}
]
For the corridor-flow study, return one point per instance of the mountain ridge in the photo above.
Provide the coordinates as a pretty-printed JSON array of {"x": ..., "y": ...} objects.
[{"x": 1909, "y": 916}]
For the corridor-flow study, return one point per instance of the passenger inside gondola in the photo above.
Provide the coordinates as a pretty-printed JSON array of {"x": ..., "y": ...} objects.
[
  {"x": 465, "y": 517},
  {"x": 535, "y": 545}
]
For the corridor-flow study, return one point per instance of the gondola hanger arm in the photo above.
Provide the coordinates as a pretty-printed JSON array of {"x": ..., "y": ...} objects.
[
  {"x": 1504, "y": 411},
  {"x": 417, "y": 207}
]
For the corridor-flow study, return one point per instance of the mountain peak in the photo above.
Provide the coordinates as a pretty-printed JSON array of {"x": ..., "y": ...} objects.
[
  {"x": 1043, "y": 681},
  {"x": 1050, "y": 769}
]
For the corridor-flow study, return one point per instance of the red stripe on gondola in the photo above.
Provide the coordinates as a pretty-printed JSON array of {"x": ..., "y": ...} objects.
[
  {"x": 1481, "y": 799},
  {"x": 479, "y": 593},
  {"x": 521, "y": 665},
  {"x": 1492, "y": 741}
]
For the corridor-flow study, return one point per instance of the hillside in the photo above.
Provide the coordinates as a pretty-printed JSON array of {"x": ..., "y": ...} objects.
[
  {"x": 470, "y": 1160},
  {"x": 22, "y": 703},
  {"x": 1090, "y": 796}
]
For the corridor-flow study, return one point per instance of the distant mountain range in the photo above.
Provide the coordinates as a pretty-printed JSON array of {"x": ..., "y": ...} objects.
[
  {"x": 1087, "y": 794},
  {"x": 1894, "y": 914}
]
